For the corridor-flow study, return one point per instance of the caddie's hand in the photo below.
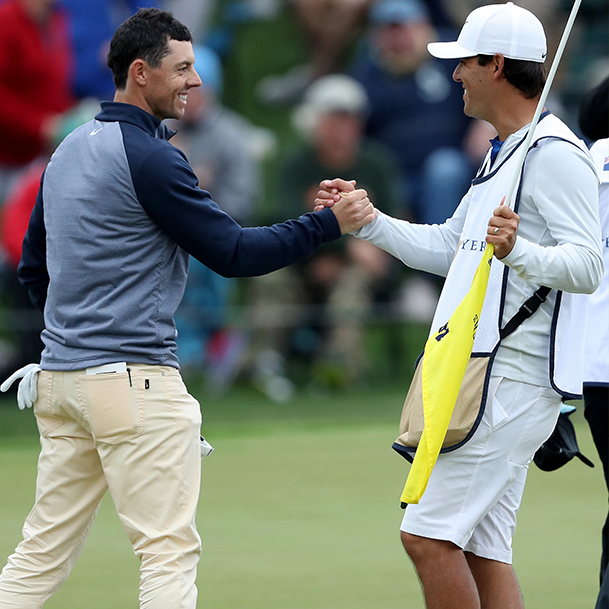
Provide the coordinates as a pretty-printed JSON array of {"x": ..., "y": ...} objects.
[
  {"x": 502, "y": 228},
  {"x": 353, "y": 210},
  {"x": 329, "y": 192},
  {"x": 27, "y": 392}
]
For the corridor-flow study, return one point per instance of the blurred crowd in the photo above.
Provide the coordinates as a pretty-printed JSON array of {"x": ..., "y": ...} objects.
[{"x": 364, "y": 101}]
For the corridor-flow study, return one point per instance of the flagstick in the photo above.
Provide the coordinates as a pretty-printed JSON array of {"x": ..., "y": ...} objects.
[{"x": 544, "y": 96}]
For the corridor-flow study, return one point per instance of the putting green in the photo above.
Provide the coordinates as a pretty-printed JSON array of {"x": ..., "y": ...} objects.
[{"x": 306, "y": 516}]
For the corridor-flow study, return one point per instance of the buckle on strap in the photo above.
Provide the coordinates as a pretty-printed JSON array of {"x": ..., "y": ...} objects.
[
  {"x": 528, "y": 309},
  {"x": 540, "y": 297},
  {"x": 534, "y": 302}
]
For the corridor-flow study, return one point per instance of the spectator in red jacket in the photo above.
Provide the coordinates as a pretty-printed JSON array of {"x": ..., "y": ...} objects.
[
  {"x": 16, "y": 212},
  {"x": 25, "y": 321},
  {"x": 35, "y": 74}
]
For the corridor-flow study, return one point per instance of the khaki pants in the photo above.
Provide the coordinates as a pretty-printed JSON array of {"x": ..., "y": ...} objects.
[{"x": 134, "y": 433}]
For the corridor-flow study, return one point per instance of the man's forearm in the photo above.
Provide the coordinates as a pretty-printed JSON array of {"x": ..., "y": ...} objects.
[
  {"x": 568, "y": 267},
  {"x": 424, "y": 247}
]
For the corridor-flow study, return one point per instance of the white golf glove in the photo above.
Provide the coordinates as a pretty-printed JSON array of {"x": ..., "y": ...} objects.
[
  {"x": 27, "y": 392},
  {"x": 206, "y": 448}
]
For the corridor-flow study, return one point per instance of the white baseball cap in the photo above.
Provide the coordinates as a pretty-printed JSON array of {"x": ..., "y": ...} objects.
[
  {"x": 332, "y": 93},
  {"x": 507, "y": 29}
]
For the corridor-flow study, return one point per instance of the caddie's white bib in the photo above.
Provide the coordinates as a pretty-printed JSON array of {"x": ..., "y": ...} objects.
[
  {"x": 596, "y": 358},
  {"x": 486, "y": 193}
]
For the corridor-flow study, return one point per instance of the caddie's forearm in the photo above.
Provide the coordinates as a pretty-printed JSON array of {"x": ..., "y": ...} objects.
[
  {"x": 568, "y": 267},
  {"x": 423, "y": 247}
]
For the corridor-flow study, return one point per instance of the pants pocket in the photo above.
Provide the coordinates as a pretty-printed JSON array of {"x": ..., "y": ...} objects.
[
  {"x": 540, "y": 424},
  {"x": 47, "y": 418},
  {"x": 113, "y": 405},
  {"x": 497, "y": 415}
]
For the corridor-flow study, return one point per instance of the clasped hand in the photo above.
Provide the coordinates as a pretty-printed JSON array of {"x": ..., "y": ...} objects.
[
  {"x": 351, "y": 206},
  {"x": 502, "y": 226}
]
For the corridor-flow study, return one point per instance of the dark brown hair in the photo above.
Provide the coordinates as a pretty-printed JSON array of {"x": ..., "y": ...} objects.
[
  {"x": 144, "y": 35},
  {"x": 529, "y": 77}
]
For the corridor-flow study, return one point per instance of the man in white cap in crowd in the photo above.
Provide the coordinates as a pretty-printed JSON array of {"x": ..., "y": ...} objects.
[{"x": 459, "y": 535}]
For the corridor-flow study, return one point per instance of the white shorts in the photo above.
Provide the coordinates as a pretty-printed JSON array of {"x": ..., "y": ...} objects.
[{"x": 474, "y": 492}]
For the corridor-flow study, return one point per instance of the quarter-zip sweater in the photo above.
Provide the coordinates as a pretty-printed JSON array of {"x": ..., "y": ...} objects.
[{"x": 106, "y": 253}]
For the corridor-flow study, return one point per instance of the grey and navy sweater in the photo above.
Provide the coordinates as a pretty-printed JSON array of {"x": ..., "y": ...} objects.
[{"x": 106, "y": 253}]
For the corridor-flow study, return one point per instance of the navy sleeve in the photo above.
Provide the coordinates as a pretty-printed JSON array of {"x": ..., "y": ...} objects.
[
  {"x": 168, "y": 190},
  {"x": 32, "y": 270}
]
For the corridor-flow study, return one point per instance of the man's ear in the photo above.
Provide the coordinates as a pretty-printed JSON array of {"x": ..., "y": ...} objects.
[
  {"x": 138, "y": 70},
  {"x": 498, "y": 65}
]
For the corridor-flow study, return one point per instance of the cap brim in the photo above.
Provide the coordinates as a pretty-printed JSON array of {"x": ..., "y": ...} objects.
[{"x": 449, "y": 50}]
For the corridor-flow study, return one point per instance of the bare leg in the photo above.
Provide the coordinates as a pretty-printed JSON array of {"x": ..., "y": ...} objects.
[
  {"x": 445, "y": 575},
  {"x": 497, "y": 584}
]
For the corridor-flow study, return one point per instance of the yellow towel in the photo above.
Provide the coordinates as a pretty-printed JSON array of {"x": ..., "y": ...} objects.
[{"x": 445, "y": 359}]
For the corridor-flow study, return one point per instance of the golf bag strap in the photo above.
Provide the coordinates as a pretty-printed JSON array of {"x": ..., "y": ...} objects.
[{"x": 525, "y": 311}]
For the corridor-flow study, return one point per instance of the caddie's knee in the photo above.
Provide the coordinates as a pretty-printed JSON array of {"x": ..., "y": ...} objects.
[
  {"x": 422, "y": 549},
  {"x": 413, "y": 544}
]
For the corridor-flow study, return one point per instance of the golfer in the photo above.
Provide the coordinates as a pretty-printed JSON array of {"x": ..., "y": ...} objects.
[
  {"x": 106, "y": 258},
  {"x": 459, "y": 536}
]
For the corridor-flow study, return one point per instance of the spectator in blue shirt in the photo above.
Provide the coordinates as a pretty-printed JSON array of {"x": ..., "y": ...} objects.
[{"x": 93, "y": 22}]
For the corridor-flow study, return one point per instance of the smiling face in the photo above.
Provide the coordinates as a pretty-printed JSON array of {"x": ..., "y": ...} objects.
[
  {"x": 477, "y": 81},
  {"x": 167, "y": 87}
]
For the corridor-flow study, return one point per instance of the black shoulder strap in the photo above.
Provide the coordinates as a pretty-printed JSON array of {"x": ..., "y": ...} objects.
[{"x": 525, "y": 311}]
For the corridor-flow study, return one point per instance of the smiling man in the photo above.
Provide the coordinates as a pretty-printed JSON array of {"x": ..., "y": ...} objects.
[
  {"x": 459, "y": 535},
  {"x": 106, "y": 258}
]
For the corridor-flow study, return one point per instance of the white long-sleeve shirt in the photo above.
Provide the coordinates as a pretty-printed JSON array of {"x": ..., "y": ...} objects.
[{"x": 558, "y": 245}]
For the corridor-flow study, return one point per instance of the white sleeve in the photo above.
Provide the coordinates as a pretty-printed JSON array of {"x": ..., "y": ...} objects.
[
  {"x": 560, "y": 190},
  {"x": 425, "y": 247}
]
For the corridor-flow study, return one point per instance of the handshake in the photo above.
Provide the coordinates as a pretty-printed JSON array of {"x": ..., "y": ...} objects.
[{"x": 351, "y": 206}]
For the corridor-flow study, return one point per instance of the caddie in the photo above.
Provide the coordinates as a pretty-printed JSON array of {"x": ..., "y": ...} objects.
[
  {"x": 106, "y": 257},
  {"x": 459, "y": 535}
]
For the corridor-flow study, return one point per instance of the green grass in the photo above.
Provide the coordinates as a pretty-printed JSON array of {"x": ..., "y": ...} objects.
[{"x": 299, "y": 510}]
